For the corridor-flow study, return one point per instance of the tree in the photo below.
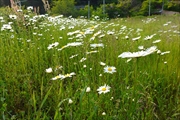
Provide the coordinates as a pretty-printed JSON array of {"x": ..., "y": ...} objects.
[
  {"x": 64, "y": 7},
  {"x": 4, "y": 3}
]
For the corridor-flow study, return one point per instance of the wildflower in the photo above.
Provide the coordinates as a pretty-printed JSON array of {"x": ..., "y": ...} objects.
[
  {"x": 58, "y": 77},
  {"x": 137, "y": 38},
  {"x": 109, "y": 69},
  {"x": 29, "y": 8},
  {"x": 74, "y": 44},
  {"x": 70, "y": 101},
  {"x": 62, "y": 47},
  {"x": 163, "y": 53},
  {"x": 1, "y": 18},
  {"x": 88, "y": 89},
  {"x": 126, "y": 37},
  {"x": 149, "y": 37},
  {"x": 6, "y": 27},
  {"x": 19, "y": 10},
  {"x": 159, "y": 51},
  {"x": 82, "y": 60},
  {"x": 97, "y": 45},
  {"x": 141, "y": 47},
  {"x": 49, "y": 70},
  {"x": 14, "y": 17},
  {"x": 101, "y": 36},
  {"x": 53, "y": 45},
  {"x": 69, "y": 75},
  {"x": 110, "y": 32},
  {"x": 150, "y": 50},
  {"x": 156, "y": 41},
  {"x": 73, "y": 56},
  {"x": 103, "y": 113},
  {"x": 58, "y": 67},
  {"x": 97, "y": 33},
  {"x": 131, "y": 55},
  {"x": 102, "y": 63},
  {"x": 112, "y": 98},
  {"x": 103, "y": 89}
]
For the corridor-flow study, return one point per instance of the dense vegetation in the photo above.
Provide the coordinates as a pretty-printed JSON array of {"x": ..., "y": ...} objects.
[{"x": 57, "y": 68}]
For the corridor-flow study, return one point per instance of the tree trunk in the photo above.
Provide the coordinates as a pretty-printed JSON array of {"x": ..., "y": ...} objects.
[{"x": 46, "y": 5}]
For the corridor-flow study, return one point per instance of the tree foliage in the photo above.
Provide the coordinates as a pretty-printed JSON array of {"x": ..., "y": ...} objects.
[{"x": 65, "y": 7}]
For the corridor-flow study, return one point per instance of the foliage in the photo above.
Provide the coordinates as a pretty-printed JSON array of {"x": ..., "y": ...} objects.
[
  {"x": 64, "y": 7},
  {"x": 84, "y": 11},
  {"x": 100, "y": 13},
  {"x": 172, "y": 6}
]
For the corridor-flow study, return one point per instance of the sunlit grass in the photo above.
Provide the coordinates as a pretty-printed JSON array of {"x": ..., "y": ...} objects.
[{"x": 83, "y": 55}]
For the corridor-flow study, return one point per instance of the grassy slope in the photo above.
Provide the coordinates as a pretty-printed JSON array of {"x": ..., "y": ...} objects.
[{"x": 144, "y": 88}]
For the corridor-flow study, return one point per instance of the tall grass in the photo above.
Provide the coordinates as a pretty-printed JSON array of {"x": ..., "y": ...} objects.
[{"x": 143, "y": 88}]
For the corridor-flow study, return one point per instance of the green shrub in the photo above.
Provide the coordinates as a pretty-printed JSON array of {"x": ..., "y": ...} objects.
[
  {"x": 99, "y": 12},
  {"x": 84, "y": 11},
  {"x": 64, "y": 7},
  {"x": 172, "y": 6}
]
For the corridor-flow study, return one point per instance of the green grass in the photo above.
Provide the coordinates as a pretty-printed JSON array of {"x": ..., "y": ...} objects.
[{"x": 145, "y": 88}]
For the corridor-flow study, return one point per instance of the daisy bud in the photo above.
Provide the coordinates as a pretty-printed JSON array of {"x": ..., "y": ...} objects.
[
  {"x": 70, "y": 101},
  {"x": 88, "y": 89}
]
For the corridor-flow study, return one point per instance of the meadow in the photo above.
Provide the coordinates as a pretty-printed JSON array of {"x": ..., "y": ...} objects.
[{"x": 57, "y": 68}]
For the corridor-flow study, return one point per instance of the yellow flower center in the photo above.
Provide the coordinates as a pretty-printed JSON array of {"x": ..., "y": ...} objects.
[
  {"x": 67, "y": 75},
  {"x": 109, "y": 69},
  {"x": 103, "y": 89},
  {"x": 82, "y": 33},
  {"x": 57, "y": 77}
]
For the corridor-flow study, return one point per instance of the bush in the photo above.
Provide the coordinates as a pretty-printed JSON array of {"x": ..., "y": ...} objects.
[
  {"x": 84, "y": 11},
  {"x": 99, "y": 12},
  {"x": 155, "y": 6},
  {"x": 64, "y": 7},
  {"x": 172, "y": 6},
  {"x": 112, "y": 10}
]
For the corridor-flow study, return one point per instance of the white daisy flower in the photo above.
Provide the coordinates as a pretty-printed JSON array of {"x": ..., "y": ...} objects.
[
  {"x": 103, "y": 89},
  {"x": 58, "y": 77},
  {"x": 88, "y": 89},
  {"x": 49, "y": 70},
  {"x": 109, "y": 69},
  {"x": 156, "y": 41},
  {"x": 102, "y": 63},
  {"x": 30, "y": 8},
  {"x": 70, "y": 101},
  {"x": 103, "y": 113},
  {"x": 82, "y": 60},
  {"x": 69, "y": 75},
  {"x": 13, "y": 17},
  {"x": 137, "y": 38},
  {"x": 97, "y": 45}
]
